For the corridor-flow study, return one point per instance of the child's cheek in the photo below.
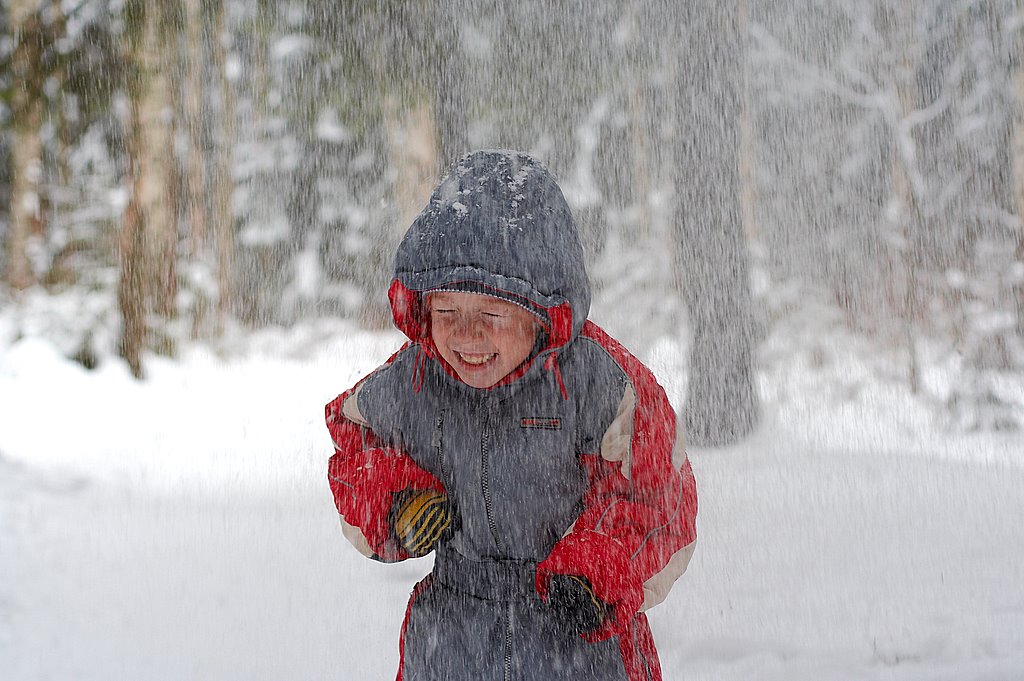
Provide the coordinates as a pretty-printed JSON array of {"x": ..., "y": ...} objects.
[{"x": 440, "y": 329}]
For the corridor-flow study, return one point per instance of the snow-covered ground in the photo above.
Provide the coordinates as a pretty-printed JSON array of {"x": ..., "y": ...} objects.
[{"x": 181, "y": 528}]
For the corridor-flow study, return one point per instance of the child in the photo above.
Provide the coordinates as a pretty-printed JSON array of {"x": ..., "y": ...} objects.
[{"x": 534, "y": 455}]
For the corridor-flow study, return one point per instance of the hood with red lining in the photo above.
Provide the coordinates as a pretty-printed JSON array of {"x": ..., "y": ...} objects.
[{"x": 496, "y": 224}]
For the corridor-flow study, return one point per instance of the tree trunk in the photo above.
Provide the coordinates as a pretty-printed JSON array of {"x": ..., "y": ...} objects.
[
  {"x": 414, "y": 154},
  {"x": 1017, "y": 64},
  {"x": 722, "y": 405},
  {"x": 191, "y": 109},
  {"x": 131, "y": 289},
  {"x": 412, "y": 140},
  {"x": 746, "y": 153},
  {"x": 25, "y": 23},
  {"x": 149, "y": 226},
  {"x": 224, "y": 186},
  {"x": 195, "y": 177},
  {"x": 906, "y": 224},
  {"x": 449, "y": 91}
]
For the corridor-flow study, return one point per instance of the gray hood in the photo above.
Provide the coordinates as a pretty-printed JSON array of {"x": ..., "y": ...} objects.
[{"x": 497, "y": 224}]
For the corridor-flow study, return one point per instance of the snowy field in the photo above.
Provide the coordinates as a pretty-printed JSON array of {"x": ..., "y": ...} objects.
[{"x": 182, "y": 529}]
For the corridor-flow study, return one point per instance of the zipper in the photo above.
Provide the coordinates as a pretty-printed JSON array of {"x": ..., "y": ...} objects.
[
  {"x": 485, "y": 479},
  {"x": 508, "y": 642},
  {"x": 485, "y": 485},
  {"x": 438, "y": 444}
]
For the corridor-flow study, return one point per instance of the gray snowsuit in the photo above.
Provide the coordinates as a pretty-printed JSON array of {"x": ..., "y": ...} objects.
[{"x": 569, "y": 466}]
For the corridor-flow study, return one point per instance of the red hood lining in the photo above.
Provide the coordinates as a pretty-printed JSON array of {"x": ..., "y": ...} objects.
[{"x": 411, "y": 319}]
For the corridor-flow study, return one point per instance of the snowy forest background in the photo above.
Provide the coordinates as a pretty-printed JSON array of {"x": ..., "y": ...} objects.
[
  {"x": 805, "y": 216},
  {"x": 193, "y": 169}
]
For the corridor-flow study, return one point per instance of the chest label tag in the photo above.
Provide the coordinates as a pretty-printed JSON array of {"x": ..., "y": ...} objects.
[{"x": 541, "y": 422}]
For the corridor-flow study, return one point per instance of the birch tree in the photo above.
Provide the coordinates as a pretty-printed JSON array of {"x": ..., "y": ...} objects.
[
  {"x": 148, "y": 240},
  {"x": 25, "y": 21},
  {"x": 223, "y": 218}
]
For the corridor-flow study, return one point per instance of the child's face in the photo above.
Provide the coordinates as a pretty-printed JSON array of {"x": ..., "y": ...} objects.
[{"x": 482, "y": 337}]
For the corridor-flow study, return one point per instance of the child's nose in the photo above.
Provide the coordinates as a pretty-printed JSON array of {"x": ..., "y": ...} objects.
[{"x": 468, "y": 327}]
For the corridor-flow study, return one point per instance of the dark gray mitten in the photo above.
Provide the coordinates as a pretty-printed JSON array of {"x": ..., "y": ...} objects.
[{"x": 573, "y": 598}]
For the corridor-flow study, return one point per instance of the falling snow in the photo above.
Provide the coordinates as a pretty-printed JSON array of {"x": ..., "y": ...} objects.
[
  {"x": 863, "y": 233},
  {"x": 182, "y": 527}
]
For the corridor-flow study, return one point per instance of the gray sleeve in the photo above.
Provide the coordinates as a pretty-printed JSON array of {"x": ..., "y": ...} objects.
[
  {"x": 383, "y": 401},
  {"x": 605, "y": 386}
]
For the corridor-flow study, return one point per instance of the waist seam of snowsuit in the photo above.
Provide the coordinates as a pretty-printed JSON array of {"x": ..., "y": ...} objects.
[{"x": 491, "y": 580}]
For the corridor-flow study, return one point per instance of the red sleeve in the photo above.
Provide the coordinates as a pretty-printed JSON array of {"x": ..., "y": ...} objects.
[
  {"x": 364, "y": 474},
  {"x": 639, "y": 510}
]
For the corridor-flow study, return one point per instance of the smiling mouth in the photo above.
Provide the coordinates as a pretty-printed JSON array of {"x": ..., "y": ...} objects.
[{"x": 476, "y": 359}]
